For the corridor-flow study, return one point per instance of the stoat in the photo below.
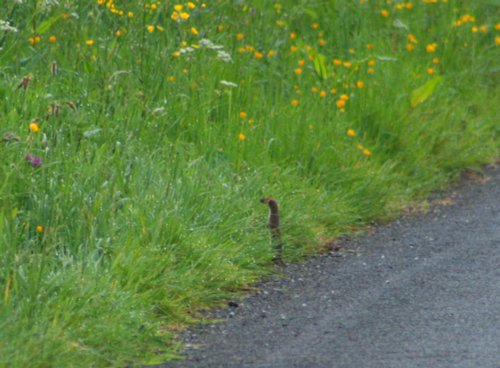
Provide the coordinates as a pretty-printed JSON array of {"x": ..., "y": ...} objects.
[{"x": 274, "y": 226}]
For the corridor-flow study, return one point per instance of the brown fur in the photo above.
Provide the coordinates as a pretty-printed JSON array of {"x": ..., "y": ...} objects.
[{"x": 274, "y": 226}]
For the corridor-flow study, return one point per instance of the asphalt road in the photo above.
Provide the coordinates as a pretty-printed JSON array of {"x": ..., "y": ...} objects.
[{"x": 423, "y": 291}]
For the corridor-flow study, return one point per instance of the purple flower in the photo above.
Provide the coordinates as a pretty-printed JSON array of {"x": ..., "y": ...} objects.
[{"x": 35, "y": 161}]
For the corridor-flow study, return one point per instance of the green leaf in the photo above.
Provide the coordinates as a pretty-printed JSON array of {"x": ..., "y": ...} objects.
[
  {"x": 47, "y": 24},
  {"x": 421, "y": 94},
  {"x": 320, "y": 66},
  {"x": 313, "y": 14}
]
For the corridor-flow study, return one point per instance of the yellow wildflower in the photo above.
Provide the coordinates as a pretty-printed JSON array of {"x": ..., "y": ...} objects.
[
  {"x": 411, "y": 38},
  {"x": 52, "y": 39},
  {"x": 150, "y": 28},
  {"x": 242, "y": 137},
  {"x": 34, "y": 127},
  {"x": 243, "y": 114},
  {"x": 295, "y": 103},
  {"x": 430, "y": 48},
  {"x": 351, "y": 132}
]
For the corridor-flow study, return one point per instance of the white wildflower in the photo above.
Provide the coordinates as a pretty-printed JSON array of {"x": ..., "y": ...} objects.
[
  {"x": 210, "y": 45},
  {"x": 386, "y": 58},
  {"x": 6, "y": 27},
  {"x": 186, "y": 50},
  {"x": 228, "y": 84},
  {"x": 47, "y": 4},
  {"x": 398, "y": 23},
  {"x": 224, "y": 56}
]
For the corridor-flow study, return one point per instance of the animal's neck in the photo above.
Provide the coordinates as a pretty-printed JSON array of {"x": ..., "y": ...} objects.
[{"x": 274, "y": 218}]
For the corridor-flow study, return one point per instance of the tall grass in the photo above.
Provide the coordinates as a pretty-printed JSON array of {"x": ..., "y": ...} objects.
[{"x": 158, "y": 136}]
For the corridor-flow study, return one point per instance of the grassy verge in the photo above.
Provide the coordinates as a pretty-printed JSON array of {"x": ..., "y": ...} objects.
[{"x": 138, "y": 137}]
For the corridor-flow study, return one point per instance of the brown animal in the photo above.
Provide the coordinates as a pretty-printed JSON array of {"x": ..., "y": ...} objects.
[{"x": 274, "y": 226}]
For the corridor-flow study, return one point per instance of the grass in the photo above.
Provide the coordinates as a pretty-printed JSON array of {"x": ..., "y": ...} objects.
[{"x": 155, "y": 146}]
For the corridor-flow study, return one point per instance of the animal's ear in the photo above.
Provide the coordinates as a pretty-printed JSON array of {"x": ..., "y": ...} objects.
[{"x": 264, "y": 200}]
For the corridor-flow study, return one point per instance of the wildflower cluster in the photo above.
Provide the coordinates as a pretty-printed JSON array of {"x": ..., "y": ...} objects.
[
  {"x": 113, "y": 9},
  {"x": 245, "y": 121},
  {"x": 181, "y": 12},
  {"x": 365, "y": 151}
]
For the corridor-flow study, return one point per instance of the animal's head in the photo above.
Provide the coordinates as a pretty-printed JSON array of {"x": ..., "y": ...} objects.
[{"x": 266, "y": 200}]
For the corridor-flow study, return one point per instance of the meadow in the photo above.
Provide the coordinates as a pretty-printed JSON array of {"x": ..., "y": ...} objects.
[{"x": 137, "y": 137}]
